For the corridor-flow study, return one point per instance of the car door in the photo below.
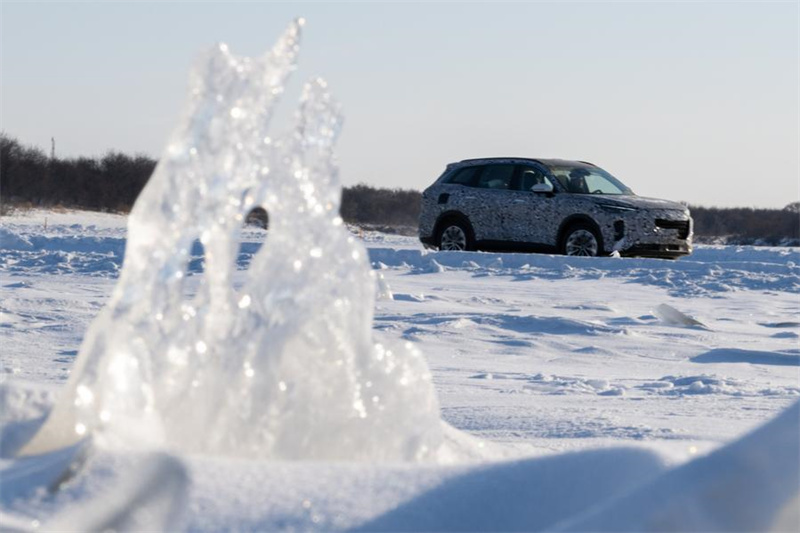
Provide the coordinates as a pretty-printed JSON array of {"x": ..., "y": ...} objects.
[
  {"x": 469, "y": 192},
  {"x": 489, "y": 213},
  {"x": 531, "y": 215}
]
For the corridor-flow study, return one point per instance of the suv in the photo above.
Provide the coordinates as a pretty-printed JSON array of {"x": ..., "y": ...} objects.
[{"x": 548, "y": 205}]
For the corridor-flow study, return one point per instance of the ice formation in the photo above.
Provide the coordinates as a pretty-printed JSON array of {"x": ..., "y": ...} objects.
[
  {"x": 282, "y": 367},
  {"x": 672, "y": 317}
]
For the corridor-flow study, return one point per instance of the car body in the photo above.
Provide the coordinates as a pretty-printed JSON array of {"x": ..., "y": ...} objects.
[{"x": 548, "y": 205}]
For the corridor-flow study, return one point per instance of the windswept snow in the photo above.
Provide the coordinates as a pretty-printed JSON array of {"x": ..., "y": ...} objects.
[
  {"x": 734, "y": 355},
  {"x": 750, "y": 485},
  {"x": 711, "y": 271},
  {"x": 526, "y": 366}
]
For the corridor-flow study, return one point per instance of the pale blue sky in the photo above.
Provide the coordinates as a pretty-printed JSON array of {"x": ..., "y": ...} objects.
[{"x": 687, "y": 101}]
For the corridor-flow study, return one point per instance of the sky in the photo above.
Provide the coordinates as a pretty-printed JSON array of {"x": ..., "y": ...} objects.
[{"x": 688, "y": 101}]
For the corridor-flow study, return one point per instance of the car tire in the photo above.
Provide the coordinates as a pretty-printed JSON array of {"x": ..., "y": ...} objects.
[
  {"x": 455, "y": 235},
  {"x": 581, "y": 240}
]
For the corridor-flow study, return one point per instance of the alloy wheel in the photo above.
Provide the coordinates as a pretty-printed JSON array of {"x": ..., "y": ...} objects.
[
  {"x": 581, "y": 242},
  {"x": 453, "y": 238}
]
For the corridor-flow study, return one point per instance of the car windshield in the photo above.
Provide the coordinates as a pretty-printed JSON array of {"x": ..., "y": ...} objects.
[{"x": 582, "y": 179}]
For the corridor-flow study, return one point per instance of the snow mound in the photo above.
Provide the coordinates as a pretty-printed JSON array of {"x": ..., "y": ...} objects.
[
  {"x": 563, "y": 385},
  {"x": 152, "y": 496},
  {"x": 754, "y": 357},
  {"x": 22, "y": 411},
  {"x": 522, "y": 495},
  {"x": 688, "y": 385},
  {"x": 10, "y": 241},
  {"x": 284, "y": 367},
  {"x": 752, "y": 484}
]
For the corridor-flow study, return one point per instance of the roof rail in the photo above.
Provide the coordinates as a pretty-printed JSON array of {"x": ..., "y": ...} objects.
[{"x": 495, "y": 157}]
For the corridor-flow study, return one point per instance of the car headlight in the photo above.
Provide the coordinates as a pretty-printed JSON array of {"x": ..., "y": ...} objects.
[{"x": 616, "y": 208}]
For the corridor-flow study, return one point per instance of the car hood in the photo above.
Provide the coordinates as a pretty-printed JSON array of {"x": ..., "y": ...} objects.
[{"x": 640, "y": 202}]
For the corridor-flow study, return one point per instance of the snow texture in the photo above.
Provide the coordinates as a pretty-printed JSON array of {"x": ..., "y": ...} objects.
[
  {"x": 752, "y": 484},
  {"x": 283, "y": 367},
  {"x": 151, "y": 496}
]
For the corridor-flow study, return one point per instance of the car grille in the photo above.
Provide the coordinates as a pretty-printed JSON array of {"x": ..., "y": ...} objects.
[{"x": 681, "y": 225}]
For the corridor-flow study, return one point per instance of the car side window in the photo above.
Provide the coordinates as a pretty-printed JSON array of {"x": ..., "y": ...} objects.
[
  {"x": 465, "y": 176},
  {"x": 496, "y": 177},
  {"x": 530, "y": 176}
]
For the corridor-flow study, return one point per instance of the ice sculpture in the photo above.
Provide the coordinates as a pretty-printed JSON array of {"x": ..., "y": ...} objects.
[{"x": 283, "y": 367}]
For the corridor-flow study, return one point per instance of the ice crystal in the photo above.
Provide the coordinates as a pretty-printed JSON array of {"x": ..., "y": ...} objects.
[{"x": 285, "y": 365}]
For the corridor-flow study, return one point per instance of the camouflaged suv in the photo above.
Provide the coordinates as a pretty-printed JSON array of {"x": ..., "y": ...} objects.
[{"x": 548, "y": 205}]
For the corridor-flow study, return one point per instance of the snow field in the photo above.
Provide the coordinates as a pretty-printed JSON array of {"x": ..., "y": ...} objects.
[{"x": 531, "y": 356}]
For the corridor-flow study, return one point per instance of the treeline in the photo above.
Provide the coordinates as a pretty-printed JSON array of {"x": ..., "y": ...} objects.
[
  {"x": 743, "y": 225},
  {"x": 365, "y": 205},
  {"x": 28, "y": 177},
  {"x": 110, "y": 183}
]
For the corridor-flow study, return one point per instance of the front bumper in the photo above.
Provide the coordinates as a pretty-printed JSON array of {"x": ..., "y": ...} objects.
[
  {"x": 659, "y": 233},
  {"x": 661, "y": 251}
]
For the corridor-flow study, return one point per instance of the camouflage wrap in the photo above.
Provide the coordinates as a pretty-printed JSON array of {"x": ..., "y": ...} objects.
[{"x": 629, "y": 224}]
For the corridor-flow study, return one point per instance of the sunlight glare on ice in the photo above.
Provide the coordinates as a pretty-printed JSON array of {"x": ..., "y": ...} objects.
[{"x": 279, "y": 367}]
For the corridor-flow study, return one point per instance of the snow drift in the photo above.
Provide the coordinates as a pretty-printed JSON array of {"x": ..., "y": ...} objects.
[{"x": 752, "y": 484}]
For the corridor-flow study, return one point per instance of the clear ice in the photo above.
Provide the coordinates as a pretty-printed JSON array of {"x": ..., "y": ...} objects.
[{"x": 282, "y": 367}]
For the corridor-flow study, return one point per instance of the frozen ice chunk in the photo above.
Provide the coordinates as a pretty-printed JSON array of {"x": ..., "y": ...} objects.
[
  {"x": 384, "y": 290},
  {"x": 672, "y": 317},
  {"x": 286, "y": 366}
]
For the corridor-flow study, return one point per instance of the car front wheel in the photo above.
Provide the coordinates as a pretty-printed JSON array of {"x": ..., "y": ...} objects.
[{"x": 581, "y": 240}]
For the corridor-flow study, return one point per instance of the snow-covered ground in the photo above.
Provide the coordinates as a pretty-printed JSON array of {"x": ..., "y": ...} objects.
[{"x": 532, "y": 355}]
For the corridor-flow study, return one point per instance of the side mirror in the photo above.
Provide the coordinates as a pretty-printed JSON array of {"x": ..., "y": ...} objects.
[{"x": 542, "y": 187}]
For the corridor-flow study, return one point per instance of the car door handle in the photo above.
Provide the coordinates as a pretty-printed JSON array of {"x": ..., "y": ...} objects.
[
  {"x": 520, "y": 201},
  {"x": 467, "y": 197}
]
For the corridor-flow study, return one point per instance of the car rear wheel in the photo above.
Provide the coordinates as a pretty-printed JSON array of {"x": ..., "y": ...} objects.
[
  {"x": 581, "y": 240},
  {"x": 454, "y": 236}
]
